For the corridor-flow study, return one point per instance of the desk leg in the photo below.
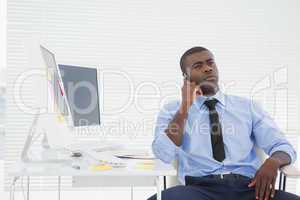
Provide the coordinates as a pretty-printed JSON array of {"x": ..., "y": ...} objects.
[
  {"x": 12, "y": 188},
  {"x": 158, "y": 188},
  {"x": 12, "y": 191},
  {"x": 59, "y": 187},
  {"x": 28, "y": 185}
]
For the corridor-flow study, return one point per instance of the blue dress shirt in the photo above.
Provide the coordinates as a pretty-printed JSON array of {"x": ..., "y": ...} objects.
[{"x": 245, "y": 126}]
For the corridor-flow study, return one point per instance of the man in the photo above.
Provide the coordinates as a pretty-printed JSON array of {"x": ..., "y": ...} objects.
[{"x": 213, "y": 137}]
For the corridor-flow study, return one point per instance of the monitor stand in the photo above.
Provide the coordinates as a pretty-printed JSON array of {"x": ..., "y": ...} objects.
[{"x": 26, "y": 158}]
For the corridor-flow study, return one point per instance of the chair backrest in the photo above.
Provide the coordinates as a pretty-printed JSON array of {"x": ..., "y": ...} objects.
[{"x": 173, "y": 180}]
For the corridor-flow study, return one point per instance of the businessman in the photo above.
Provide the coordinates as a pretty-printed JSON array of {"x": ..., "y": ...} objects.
[{"x": 214, "y": 136}]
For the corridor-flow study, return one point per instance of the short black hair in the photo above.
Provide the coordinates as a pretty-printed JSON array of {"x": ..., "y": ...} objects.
[{"x": 189, "y": 52}]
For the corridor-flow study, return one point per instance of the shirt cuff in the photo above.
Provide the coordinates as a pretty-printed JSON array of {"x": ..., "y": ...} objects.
[{"x": 287, "y": 149}]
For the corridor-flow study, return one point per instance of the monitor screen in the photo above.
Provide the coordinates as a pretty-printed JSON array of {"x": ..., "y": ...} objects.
[{"x": 81, "y": 87}]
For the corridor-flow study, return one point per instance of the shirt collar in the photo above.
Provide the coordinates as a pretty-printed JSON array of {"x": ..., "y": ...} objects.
[{"x": 220, "y": 96}]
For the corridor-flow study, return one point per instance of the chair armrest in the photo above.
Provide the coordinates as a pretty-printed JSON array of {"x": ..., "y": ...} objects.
[{"x": 291, "y": 171}]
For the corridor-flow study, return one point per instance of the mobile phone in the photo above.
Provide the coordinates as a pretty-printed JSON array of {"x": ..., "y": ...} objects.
[{"x": 186, "y": 77}]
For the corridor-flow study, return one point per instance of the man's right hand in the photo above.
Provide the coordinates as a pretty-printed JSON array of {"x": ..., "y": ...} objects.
[{"x": 189, "y": 91}]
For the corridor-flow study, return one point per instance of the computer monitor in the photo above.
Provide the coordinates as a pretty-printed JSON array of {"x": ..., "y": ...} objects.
[
  {"x": 73, "y": 91},
  {"x": 81, "y": 88},
  {"x": 58, "y": 116}
]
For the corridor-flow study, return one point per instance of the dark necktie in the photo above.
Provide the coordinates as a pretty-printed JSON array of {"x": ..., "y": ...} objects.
[{"x": 215, "y": 131}]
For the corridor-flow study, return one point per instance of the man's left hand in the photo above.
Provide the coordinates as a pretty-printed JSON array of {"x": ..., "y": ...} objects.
[{"x": 264, "y": 180}]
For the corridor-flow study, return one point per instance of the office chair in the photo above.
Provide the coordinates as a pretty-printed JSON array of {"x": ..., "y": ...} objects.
[{"x": 289, "y": 171}]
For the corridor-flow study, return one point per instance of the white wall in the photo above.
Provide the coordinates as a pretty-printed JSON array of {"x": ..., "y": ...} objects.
[{"x": 254, "y": 43}]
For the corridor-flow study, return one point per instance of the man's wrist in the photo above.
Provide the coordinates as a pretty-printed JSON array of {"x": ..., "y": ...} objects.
[
  {"x": 275, "y": 162},
  {"x": 281, "y": 157},
  {"x": 184, "y": 108}
]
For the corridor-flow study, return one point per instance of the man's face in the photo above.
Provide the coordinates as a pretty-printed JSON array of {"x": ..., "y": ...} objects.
[{"x": 202, "y": 69}]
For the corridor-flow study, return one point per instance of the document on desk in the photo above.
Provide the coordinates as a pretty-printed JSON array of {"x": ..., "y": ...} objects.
[
  {"x": 101, "y": 167},
  {"x": 145, "y": 165},
  {"x": 106, "y": 159}
]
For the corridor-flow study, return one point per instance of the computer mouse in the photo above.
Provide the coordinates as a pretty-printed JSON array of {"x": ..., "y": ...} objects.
[{"x": 76, "y": 154}]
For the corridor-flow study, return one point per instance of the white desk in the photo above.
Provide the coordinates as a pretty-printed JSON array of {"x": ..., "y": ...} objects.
[{"x": 134, "y": 176}]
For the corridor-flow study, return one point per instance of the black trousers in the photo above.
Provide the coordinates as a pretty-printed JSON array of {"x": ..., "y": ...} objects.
[{"x": 231, "y": 187}]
